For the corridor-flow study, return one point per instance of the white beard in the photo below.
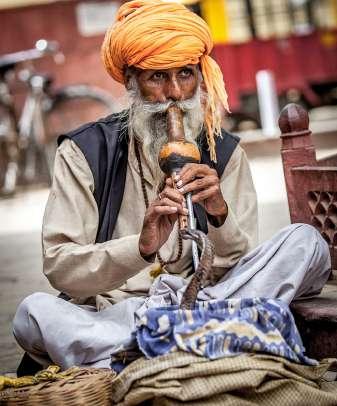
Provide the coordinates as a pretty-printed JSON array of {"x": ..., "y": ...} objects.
[{"x": 147, "y": 124}]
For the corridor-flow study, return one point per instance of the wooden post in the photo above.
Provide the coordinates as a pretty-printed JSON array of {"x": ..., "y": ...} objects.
[{"x": 297, "y": 150}]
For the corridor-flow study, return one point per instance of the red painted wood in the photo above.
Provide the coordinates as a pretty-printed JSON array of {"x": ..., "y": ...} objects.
[
  {"x": 311, "y": 185},
  {"x": 329, "y": 161},
  {"x": 297, "y": 62},
  {"x": 297, "y": 150}
]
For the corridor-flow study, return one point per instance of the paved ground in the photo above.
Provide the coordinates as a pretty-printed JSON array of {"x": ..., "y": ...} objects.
[
  {"x": 21, "y": 218},
  {"x": 20, "y": 264}
]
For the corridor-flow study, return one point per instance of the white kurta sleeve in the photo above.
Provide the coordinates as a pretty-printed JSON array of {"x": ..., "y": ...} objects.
[
  {"x": 72, "y": 261},
  {"x": 238, "y": 234}
]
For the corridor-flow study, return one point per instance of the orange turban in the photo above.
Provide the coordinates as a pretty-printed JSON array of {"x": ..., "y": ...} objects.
[{"x": 153, "y": 34}]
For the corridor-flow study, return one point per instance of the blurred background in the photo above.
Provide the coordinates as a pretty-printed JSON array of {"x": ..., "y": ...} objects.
[{"x": 271, "y": 52}]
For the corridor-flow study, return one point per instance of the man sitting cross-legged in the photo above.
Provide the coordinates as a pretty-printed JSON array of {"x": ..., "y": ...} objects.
[{"x": 111, "y": 217}]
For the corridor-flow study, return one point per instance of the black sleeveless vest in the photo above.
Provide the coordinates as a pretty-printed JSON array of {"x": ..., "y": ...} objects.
[{"x": 104, "y": 143}]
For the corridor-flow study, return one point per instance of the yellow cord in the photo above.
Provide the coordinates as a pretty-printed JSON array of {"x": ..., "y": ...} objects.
[
  {"x": 49, "y": 374},
  {"x": 156, "y": 270}
]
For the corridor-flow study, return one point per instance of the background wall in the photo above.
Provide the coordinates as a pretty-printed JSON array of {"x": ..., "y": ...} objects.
[{"x": 22, "y": 27}]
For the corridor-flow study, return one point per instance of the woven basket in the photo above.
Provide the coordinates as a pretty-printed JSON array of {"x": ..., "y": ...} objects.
[{"x": 86, "y": 386}]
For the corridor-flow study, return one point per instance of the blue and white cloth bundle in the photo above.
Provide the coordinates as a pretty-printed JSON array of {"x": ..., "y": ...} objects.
[{"x": 223, "y": 328}]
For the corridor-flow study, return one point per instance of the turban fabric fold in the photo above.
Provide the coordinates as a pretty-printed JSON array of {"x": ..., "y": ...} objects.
[{"x": 153, "y": 34}]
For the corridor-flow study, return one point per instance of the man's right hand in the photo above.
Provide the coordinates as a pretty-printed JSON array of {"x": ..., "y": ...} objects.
[{"x": 159, "y": 220}]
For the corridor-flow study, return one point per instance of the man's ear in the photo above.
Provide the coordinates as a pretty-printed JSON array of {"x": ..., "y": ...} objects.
[
  {"x": 129, "y": 74},
  {"x": 127, "y": 79}
]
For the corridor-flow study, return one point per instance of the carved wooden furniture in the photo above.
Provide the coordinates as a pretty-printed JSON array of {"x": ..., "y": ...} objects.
[
  {"x": 312, "y": 197},
  {"x": 311, "y": 184}
]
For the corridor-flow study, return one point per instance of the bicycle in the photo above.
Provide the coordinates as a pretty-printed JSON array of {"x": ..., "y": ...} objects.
[{"x": 28, "y": 142}]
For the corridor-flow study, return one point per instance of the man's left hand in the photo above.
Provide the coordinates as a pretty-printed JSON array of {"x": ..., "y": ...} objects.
[{"x": 204, "y": 184}]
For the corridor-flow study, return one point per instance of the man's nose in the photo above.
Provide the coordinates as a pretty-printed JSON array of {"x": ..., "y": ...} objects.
[{"x": 173, "y": 90}]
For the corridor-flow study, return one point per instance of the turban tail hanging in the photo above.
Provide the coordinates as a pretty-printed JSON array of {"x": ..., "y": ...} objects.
[{"x": 152, "y": 34}]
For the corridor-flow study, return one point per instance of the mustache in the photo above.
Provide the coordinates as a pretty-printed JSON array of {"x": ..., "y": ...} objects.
[{"x": 183, "y": 105}]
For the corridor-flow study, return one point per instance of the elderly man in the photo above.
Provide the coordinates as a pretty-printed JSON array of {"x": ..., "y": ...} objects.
[{"x": 110, "y": 225}]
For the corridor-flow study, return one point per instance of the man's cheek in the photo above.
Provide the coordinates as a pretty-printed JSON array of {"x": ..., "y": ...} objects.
[
  {"x": 189, "y": 90},
  {"x": 152, "y": 92}
]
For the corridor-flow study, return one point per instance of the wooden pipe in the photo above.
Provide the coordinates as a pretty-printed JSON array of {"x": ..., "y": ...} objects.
[
  {"x": 177, "y": 152},
  {"x": 172, "y": 157}
]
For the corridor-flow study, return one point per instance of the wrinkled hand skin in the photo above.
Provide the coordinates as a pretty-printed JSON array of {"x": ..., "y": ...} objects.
[
  {"x": 204, "y": 184},
  {"x": 159, "y": 220},
  {"x": 162, "y": 214},
  {"x": 204, "y": 270}
]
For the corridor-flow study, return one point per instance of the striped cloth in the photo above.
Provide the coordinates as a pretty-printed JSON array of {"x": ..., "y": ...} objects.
[{"x": 217, "y": 329}]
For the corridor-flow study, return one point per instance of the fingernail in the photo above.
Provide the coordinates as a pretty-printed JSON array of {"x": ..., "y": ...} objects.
[
  {"x": 184, "y": 203},
  {"x": 176, "y": 178},
  {"x": 174, "y": 209},
  {"x": 180, "y": 183},
  {"x": 185, "y": 211}
]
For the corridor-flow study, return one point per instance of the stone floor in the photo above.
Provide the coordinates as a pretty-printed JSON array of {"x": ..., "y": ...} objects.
[
  {"x": 20, "y": 264},
  {"x": 21, "y": 218}
]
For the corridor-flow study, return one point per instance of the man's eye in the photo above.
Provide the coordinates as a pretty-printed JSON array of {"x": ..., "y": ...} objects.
[
  {"x": 186, "y": 72},
  {"x": 158, "y": 76}
]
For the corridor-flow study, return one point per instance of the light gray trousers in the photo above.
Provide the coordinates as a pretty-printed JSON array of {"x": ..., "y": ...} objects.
[{"x": 294, "y": 263}]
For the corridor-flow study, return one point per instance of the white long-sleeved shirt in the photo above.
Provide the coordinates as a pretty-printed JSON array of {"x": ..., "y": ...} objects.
[{"x": 114, "y": 270}]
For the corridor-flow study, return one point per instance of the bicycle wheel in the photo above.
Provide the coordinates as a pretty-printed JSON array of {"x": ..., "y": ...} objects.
[{"x": 68, "y": 109}]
